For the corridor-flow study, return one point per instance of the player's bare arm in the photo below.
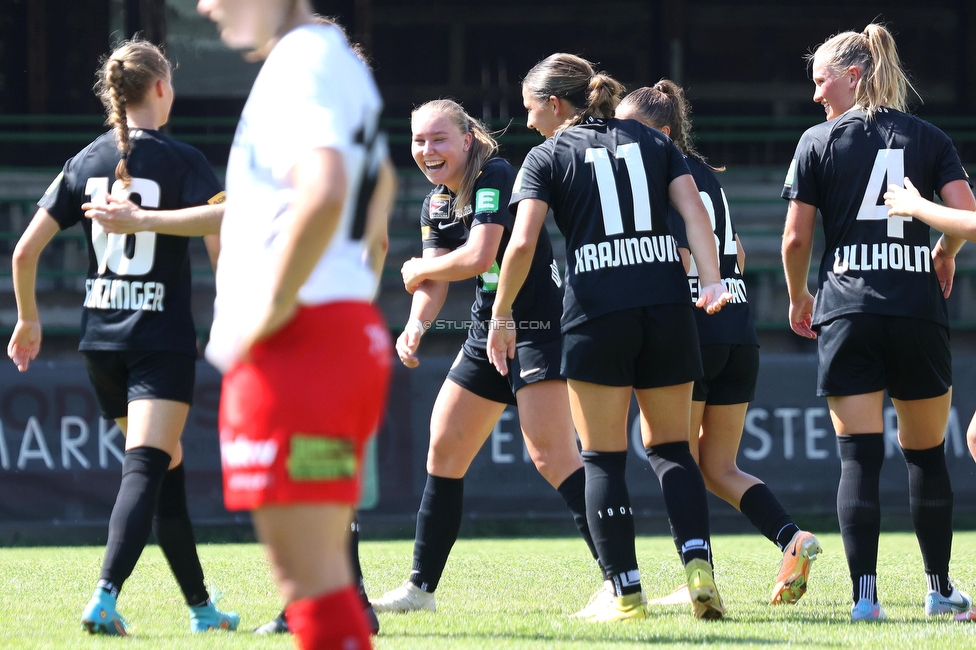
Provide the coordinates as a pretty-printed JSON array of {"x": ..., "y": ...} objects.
[
  {"x": 683, "y": 194},
  {"x": 126, "y": 218},
  {"x": 514, "y": 269},
  {"x": 475, "y": 257},
  {"x": 797, "y": 248},
  {"x": 25, "y": 342}
]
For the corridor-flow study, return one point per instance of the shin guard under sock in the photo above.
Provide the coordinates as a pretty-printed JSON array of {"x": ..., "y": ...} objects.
[
  {"x": 438, "y": 525},
  {"x": 174, "y": 534},
  {"x": 143, "y": 469},
  {"x": 332, "y": 621},
  {"x": 859, "y": 507},
  {"x": 684, "y": 497},
  {"x": 573, "y": 491},
  {"x": 767, "y": 514},
  {"x": 930, "y": 499},
  {"x": 610, "y": 518}
]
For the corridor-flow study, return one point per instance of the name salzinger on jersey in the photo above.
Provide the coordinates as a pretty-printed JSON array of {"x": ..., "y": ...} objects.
[{"x": 137, "y": 294}]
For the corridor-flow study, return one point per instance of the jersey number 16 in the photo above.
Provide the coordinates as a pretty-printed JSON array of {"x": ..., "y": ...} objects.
[{"x": 110, "y": 247}]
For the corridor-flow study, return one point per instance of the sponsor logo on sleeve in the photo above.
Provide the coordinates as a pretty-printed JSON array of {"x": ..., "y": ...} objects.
[
  {"x": 57, "y": 181},
  {"x": 425, "y": 232},
  {"x": 218, "y": 198},
  {"x": 486, "y": 200},
  {"x": 791, "y": 174},
  {"x": 489, "y": 279}
]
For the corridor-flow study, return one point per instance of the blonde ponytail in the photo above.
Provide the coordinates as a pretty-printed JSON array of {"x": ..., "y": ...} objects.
[{"x": 883, "y": 79}]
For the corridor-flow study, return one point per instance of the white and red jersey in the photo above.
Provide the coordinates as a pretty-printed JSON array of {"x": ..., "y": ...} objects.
[{"x": 313, "y": 92}]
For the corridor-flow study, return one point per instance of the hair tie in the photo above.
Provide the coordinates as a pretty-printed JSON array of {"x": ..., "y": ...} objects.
[{"x": 125, "y": 155}]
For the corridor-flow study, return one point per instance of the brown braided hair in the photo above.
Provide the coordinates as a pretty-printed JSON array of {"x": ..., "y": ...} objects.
[{"x": 123, "y": 79}]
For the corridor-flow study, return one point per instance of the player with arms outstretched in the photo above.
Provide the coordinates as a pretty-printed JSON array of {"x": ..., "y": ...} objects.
[{"x": 305, "y": 355}]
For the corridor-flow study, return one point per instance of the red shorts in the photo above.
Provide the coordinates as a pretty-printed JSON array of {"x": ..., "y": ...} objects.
[{"x": 295, "y": 416}]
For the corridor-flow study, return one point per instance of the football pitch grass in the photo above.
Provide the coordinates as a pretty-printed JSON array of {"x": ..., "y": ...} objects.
[{"x": 497, "y": 593}]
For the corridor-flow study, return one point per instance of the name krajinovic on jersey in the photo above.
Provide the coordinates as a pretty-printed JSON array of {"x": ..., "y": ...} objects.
[{"x": 626, "y": 252}]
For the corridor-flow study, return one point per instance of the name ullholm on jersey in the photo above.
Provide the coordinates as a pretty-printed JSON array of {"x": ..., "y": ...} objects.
[{"x": 883, "y": 256}]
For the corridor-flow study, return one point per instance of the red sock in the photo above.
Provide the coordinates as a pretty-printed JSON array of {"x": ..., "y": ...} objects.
[{"x": 332, "y": 621}]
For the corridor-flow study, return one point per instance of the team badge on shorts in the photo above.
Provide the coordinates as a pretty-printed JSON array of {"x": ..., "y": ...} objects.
[{"x": 317, "y": 458}]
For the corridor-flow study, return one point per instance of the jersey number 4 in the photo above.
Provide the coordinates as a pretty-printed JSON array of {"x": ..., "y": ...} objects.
[
  {"x": 109, "y": 247},
  {"x": 890, "y": 164}
]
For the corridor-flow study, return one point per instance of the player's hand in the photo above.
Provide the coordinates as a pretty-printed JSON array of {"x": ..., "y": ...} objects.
[
  {"x": 412, "y": 273},
  {"x": 408, "y": 342},
  {"x": 945, "y": 269},
  {"x": 24, "y": 343},
  {"x": 902, "y": 201},
  {"x": 801, "y": 316},
  {"x": 501, "y": 342},
  {"x": 115, "y": 216},
  {"x": 713, "y": 297}
]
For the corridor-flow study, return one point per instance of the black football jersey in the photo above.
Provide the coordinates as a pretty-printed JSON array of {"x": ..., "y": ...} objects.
[
  {"x": 137, "y": 295},
  {"x": 607, "y": 184},
  {"x": 537, "y": 306},
  {"x": 733, "y": 325},
  {"x": 873, "y": 263}
]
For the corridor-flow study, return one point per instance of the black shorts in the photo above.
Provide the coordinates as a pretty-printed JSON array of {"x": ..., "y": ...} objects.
[
  {"x": 643, "y": 347},
  {"x": 730, "y": 374},
  {"x": 865, "y": 353},
  {"x": 121, "y": 377},
  {"x": 532, "y": 363}
]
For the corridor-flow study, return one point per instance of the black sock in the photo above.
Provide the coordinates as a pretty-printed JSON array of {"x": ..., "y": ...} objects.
[
  {"x": 174, "y": 534},
  {"x": 930, "y": 499},
  {"x": 684, "y": 497},
  {"x": 610, "y": 518},
  {"x": 859, "y": 507},
  {"x": 767, "y": 514},
  {"x": 573, "y": 491},
  {"x": 357, "y": 569},
  {"x": 438, "y": 525},
  {"x": 143, "y": 469}
]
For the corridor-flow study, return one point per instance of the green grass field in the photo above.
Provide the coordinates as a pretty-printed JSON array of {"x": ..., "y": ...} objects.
[{"x": 512, "y": 593}]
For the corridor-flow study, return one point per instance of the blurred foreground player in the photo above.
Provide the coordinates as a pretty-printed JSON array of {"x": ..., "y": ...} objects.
[{"x": 305, "y": 356}]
